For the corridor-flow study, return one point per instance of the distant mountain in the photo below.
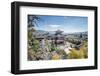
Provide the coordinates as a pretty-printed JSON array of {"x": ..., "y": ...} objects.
[
  {"x": 53, "y": 32},
  {"x": 85, "y": 32},
  {"x": 42, "y": 31}
]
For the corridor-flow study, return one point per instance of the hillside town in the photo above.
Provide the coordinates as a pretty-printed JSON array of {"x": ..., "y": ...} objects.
[{"x": 56, "y": 45}]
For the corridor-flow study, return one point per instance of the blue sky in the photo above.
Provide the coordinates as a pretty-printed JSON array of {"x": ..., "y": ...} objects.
[{"x": 68, "y": 24}]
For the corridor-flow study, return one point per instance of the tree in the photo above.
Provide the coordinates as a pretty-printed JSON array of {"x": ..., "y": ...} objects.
[
  {"x": 32, "y": 19},
  {"x": 33, "y": 43}
]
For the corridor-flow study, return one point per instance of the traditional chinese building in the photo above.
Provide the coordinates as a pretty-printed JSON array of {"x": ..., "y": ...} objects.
[{"x": 57, "y": 38}]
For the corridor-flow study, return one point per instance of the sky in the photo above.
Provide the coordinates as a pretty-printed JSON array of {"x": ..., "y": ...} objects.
[{"x": 68, "y": 24}]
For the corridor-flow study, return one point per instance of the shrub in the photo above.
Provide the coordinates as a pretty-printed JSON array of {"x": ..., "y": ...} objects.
[{"x": 78, "y": 54}]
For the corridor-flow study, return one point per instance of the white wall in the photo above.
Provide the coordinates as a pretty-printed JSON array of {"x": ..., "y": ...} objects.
[{"x": 5, "y": 27}]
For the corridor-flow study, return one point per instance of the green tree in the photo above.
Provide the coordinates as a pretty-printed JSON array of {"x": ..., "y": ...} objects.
[{"x": 33, "y": 43}]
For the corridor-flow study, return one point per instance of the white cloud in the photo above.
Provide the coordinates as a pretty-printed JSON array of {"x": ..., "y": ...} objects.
[{"x": 54, "y": 26}]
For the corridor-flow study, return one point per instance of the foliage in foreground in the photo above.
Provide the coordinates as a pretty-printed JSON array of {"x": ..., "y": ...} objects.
[{"x": 79, "y": 54}]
